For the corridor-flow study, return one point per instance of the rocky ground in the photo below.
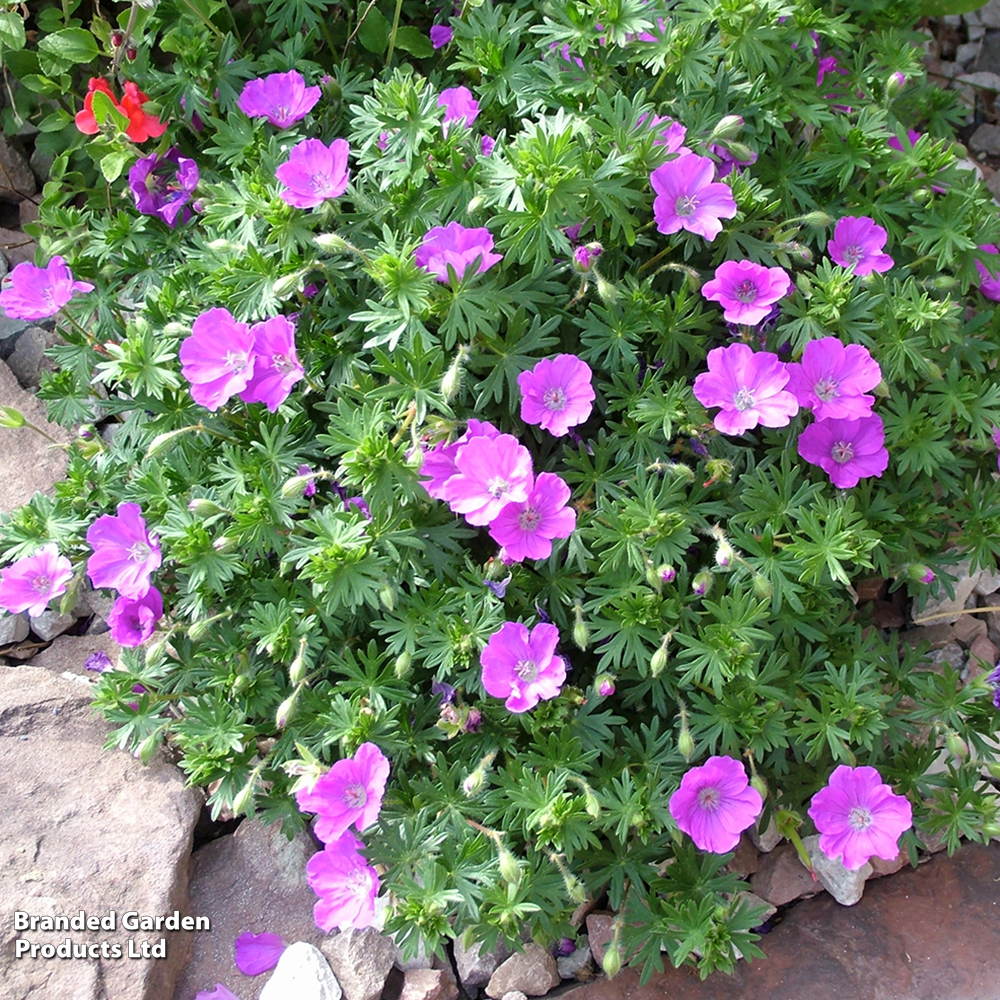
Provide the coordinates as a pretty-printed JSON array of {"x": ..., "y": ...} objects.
[{"x": 95, "y": 830}]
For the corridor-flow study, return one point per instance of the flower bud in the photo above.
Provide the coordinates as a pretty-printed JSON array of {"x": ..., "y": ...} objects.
[
  {"x": 724, "y": 553},
  {"x": 286, "y": 710},
  {"x": 243, "y": 803},
  {"x": 606, "y": 290},
  {"x": 658, "y": 661},
  {"x": 919, "y": 573},
  {"x": 9, "y": 417},
  {"x": 728, "y": 128},
  {"x": 510, "y": 870},
  {"x": 653, "y": 575},
  {"x": 474, "y": 783},
  {"x": 580, "y": 634},
  {"x": 993, "y": 768},
  {"x": 224, "y": 543},
  {"x": 760, "y": 784},
  {"x": 297, "y": 669},
  {"x": 893, "y": 86},
  {"x": 685, "y": 741},
  {"x": 720, "y": 470},
  {"x": 702, "y": 583},
  {"x": 740, "y": 152},
  {"x": 818, "y": 219},
  {"x": 585, "y": 257},
  {"x": 605, "y": 685},
  {"x": 612, "y": 962},
  {"x": 957, "y": 747},
  {"x": 667, "y": 574},
  {"x": 762, "y": 587},
  {"x": 404, "y": 665},
  {"x": 991, "y": 829},
  {"x": 131, "y": 53},
  {"x": 575, "y": 890},
  {"x": 203, "y": 507},
  {"x": 387, "y": 596},
  {"x": 116, "y": 39},
  {"x": 452, "y": 380}
]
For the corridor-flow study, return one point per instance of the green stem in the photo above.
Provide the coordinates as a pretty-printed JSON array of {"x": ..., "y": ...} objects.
[
  {"x": 395, "y": 29},
  {"x": 38, "y": 430}
]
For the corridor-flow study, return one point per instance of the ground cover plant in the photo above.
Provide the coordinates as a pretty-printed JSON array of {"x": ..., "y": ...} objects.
[{"x": 504, "y": 400}]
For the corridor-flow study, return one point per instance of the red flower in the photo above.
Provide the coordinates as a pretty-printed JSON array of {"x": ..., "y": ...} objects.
[{"x": 141, "y": 125}]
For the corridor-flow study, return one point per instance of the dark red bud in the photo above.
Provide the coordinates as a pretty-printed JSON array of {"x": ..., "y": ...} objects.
[
  {"x": 130, "y": 54},
  {"x": 117, "y": 38}
]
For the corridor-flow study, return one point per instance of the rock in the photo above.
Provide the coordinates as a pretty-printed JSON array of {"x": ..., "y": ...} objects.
[
  {"x": 13, "y": 628},
  {"x": 989, "y": 16},
  {"x": 983, "y": 652},
  {"x": 532, "y": 971},
  {"x": 887, "y": 615},
  {"x": 871, "y": 588},
  {"x": 253, "y": 880},
  {"x": 967, "y": 53},
  {"x": 41, "y": 165},
  {"x": 27, "y": 361},
  {"x": 10, "y": 327},
  {"x": 86, "y": 829},
  {"x": 765, "y": 840},
  {"x": 570, "y": 966},
  {"x": 68, "y": 654},
  {"x": 782, "y": 877},
  {"x": 745, "y": 859},
  {"x": 982, "y": 81},
  {"x": 752, "y": 901},
  {"x": 28, "y": 463},
  {"x": 844, "y": 885},
  {"x": 428, "y": 984},
  {"x": 952, "y": 654},
  {"x": 474, "y": 966},
  {"x": 27, "y": 211},
  {"x": 51, "y": 623},
  {"x": 303, "y": 973},
  {"x": 967, "y": 628},
  {"x": 937, "y": 635},
  {"x": 881, "y": 867},
  {"x": 514, "y": 995},
  {"x": 600, "y": 930},
  {"x": 16, "y": 179},
  {"x": 17, "y": 247},
  {"x": 988, "y": 583},
  {"x": 949, "y": 607},
  {"x": 361, "y": 961}
]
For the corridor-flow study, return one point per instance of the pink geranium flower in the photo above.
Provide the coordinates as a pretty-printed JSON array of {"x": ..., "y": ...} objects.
[
  {"x": 281, "y": 98},
  {"x": 857, "y": 242},
  {"x": 988, "y": 285},
  {"x": 859, "y": 817},
  {"x": 832, "y": 379},
  {"x": 133, "y": 620},
  {"x": 526, "y": 530},
  {"x": 125, "y": 554},
  {"x": 687, "y": 197},
  {"x": 750, "y": 388},
  {"x": 458, "y": 246},
  {"x": 314, "y": 172},
  {"x": 671, "y": 137},
  {"x": 523, "y": 668},
  {"x": 460, "y": 106},
  {"x": 746, "y": 291},
  {"x": 218, "y": 358},
  {"x": 715, "y": 804},
  {"x": 257, "y": 953},
  {"x": 439, "y": 462},
  {"x": 349, "y": 793},
  {"x": 276, "y": 366},
  {"x": 492, "y": 472},
  {"x": 347, "y": 887},
  {"x": 847, "y": 450},
  {"x": 912, "y": 138},
  {"x": 39, "y": 292},
  {"x": 30, "y": 583},
  {"x": 556, "y": 393},
  {"x": 441, "y": 35}
]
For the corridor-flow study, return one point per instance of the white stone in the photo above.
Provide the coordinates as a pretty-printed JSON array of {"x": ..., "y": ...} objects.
[
  {"x": 845, "y": 886},
  {"x": 765, "y": 840},
  {"x": 570, "y": 965},
  {"x": 13, "y": 628},
  {"x": 989, "y": 582},
  {"x": 967, "y": 53},
  {"x": 50, "y": 624},
  {"x": 302, "y": 973}
]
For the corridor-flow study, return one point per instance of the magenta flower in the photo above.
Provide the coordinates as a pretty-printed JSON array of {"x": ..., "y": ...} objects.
[
  {"x": 347, "y": 887},
  {"x": 257, "y": 953},
  {"x": 605, "y": 685},
  {"x": 125, "y": 554},
  {"x": 439, "y": 462},
  {"x": 218, "y": 358},
  {"x": 38, "y": 292},
  {"x": 526, "y": 529},
  {"x": 749, "y": 387},
  {"x": 441, "y": 35},
  {"x": 715, "y": 804},
  {"x": 276, "y": 366},
  {"x": 350, "y": 792},
  {"x": 847, "y": 450},
  {"x": 912, "y": 138},
  {"x": 729, "y": 162},
  {"x": 459, "y": 104},
  {"x": 672, "y": 137},
  {"x": 523, "y": 668},
  {"x": 687, "y": 197},
  {"x": 162, "y": 185},
  {"x": 487, "y": 144},
  {"x": 857, "y": 242},
  {"x": 988, "y": 285},
  {"x": 219, "y": 993},
  {"x": 30, "y": 583},
  {"x": 309, "y": 489},
  {"x": 133, "y": 620},
  {"x": 492, "y": 472},
  {"x": 457, "y": 246},
  {"x": 746, "y": 291},
  {"x": 832, "y": 379},
  {"x": 859, "y": 817},
  {"x": 281, "y": 98},
  {"x": 556, "y": 394},
  {"x": 314, "y": 172},
  {"x": 98, "y": 661}
]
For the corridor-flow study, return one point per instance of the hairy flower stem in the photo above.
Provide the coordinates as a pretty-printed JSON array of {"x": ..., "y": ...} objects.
[
  {"x": 411, "y": 412},
  {"x": 948, "y": 614}
]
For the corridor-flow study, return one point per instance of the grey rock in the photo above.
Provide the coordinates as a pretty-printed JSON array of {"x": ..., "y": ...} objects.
[
  {"x": 752, "y": 901},
  {"x": 975, "y": 32},
  {"x": 69, "y": 653},
  {"x": 51, "y": 623},
  {"x": 85, "y": 829},
  {"x": 419, "y": 961},
  {"x": 532, "y": 971},
  {"x": 13, "y": 628},
  {"x": 428, "y": 984},
  {"x": 3, "y": 270},
  {"x": 952, "y": 654},
  {"x": 765, "y": 840},
  {"x": 252, "y": 881},
  {"x": 782, "y": 877},
  {"x": 41, "y": 165},
  {"x": 16, "y": 178},
  {"x": 361, "y": 961},
  {"x": 514, "y": 995},
  {"x": 983, "y": 80},
  {"x": 844, "y": 885},
  {"x": 988, "y": 16},
  {"x": 302, "y": 973},
  {"x": 967, "y": 53},
  {"x": 987, "y": 584},
  {"x": 949, "y": 69},
  {"x": 475, "y": 966},
  {"x": 966, "y": 580},
  {"x": 27, "y": 361},
  {"x": 16, "y": 247},
  {"x": 986, "y": 139},
  {"x": 10, "y": 327},
  {"x": 570, "y": 965}
]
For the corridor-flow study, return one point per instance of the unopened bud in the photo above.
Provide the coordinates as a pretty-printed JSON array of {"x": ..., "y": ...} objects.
[
  {"x": 404, "y": 665},
  {"x": 575, "y": 890},
  {"x": 653, "y": 575},
  {"x": 720, "y": 470},
  {"x": 919, "y": 573},
  {"x": 728, "y": 128},
  {"x": 580, "y": 634},
  {"x": 762, "y": 587},
  {"x": 475, "y": 205},
  {"x": 244, "y": 800},
  {"x": 895, "y": 83},
  {"x": 117, "y": 38},
  {"x": 667, "y": 574},
  {"x": 760, "y": 784},
  {"x": 9, "y": 417},
  {"x": 605, "y": 685},
  {"x": 607, "y": 291},
  {"x": 957, "y": 747},
  {"x": 510, "y": 870},
  {"x": 203, "y": 507},
  {"x": 131, "y": 54},
  {"x": 286, "y": 710},
  {"x": 658, "y": 661},
  {"x": 685, "y": 741},
  {"x": 993, "y": 768},
  {"x": 224, "y": 543},
  {"x": 474, "y": 783},
  {"x": 387, "y": 596},
  {"x": 702, "y": 583},
  {"x": 740, "y": 152},
  {"x": 585, "y": 257},
  {"x": 452, "y": 380},
  {"x": 612, "y": 961},
  {"x": 991, "y": 829},
  {"x": 817, "y": 219},
  {"x": 297, "y": 669},
  {"x": 724, "y": 553}
]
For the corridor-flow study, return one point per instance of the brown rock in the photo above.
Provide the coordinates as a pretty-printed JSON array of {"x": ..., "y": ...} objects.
[
  {"x": 967, "y": 628},
  {"x": 886, "y": 615},
  {"x": 870, "y": 589},
  {"x": 984, "y": 652},
  {"x": 937, "y": 635},
  {"x": 86, "y": 829},
  {"x": 476, "y": 966},
  {"x": 17, "y": 247},
  {"x": 880, "y": 867},
  {"x": 28, "y": 463},
  {"x": 68, "y": 654},
  {"x": 532, "y": 971},
  {"x": 428, "y": 984},
  {"x": 599, "y": 934},
  {"x": 745, "y": 860},
  {"x": 781, "y": 877},
  {"x": 361, "y": 961},
  {"x": 928, "y": 605},
  {"x": 251, "y": 881}
]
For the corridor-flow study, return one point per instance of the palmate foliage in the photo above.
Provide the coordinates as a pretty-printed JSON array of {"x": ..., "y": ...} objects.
[{"x": 774, "y": 665}]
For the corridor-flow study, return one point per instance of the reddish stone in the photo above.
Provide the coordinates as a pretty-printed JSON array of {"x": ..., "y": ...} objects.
[
  {"x": 887, "y": 615},
  {"x": 967, "y": 628},
  {"x": 781, "y": 877},
  {"x": 880, "y": 867},
  {"x": 937, "y": 635},
  {"x": 599, "y": 933},
  {"x": 870, "y": 589},
  {"x": 984, "y": 651},
  {"x": 745, "y": 860}
]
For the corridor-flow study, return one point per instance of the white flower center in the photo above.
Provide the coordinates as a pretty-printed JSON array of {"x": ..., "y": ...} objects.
[
  {"x": 281, "y": 111},
  {"x": 743, "y": 400},
  {"x": 527, "y": 670},
  {"x": 854, "y": 254},
  {"x": 497, "y": 487},
  {"x": 709, "y": 798},
  {"x": 282, "y": 363},
  {"x": 359, "y": 882},
  {"x": 746, "y": 291},
  {"x": 685, "y": 205},
  {"x": 826, "y": 389},
  {"x": 41, "y": 583},
  {"x": 355, "y": 795},
  {"x": 319, "y": 182},
  {"x": 139, "y": 552},
  {"x": 528, "y": 519},
  {"x": 554, "y": 399},
  {"x": 842, "y": 452},
  {"x": 236, "y": 361},
  {"x": 860, "y": 818}
]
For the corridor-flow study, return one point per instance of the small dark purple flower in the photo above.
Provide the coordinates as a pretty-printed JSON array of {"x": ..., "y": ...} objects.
[
  {"x": 136, "y": 689},
  {"x": 499, "y": 587},
  {"x": 563, "y": 947},
  {"x": 584, "y": 257},
  {"x": 994, "y": 679},
  {"x": 310, "y": 488},
  {"x": 98, "y": 662},
  {"x": 473, "y": 720},
  {"x": 487, "y": 145},
  {"x": 441, "y": 35},
  {"x": 698, "y": 448},
  {"x": 444, "y": 690},
  {"x": 728, "y": 162},
  {"x": 361, "y": 505}
]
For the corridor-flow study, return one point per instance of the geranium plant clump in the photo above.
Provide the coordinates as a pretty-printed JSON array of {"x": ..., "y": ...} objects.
[{"x": 504, "y": 406}]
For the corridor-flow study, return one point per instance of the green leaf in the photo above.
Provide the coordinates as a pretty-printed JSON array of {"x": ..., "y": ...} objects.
[
  {"x": 113, "y": 164},
  {"x": 374, "y": 32},
  {"x": 103, "y": 107},
  {"x": 940, "y": 8},
  {"x": 11, "y": 30},
  {"x": 414, "y": 41},
  {"x": 54, "y": 122},
  {"x": 41, "y": 85},
  {"x": 62, "y": 49}
]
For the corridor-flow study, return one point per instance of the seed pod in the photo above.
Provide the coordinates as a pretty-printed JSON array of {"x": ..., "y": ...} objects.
[
  {"x": 760, "y": 784},
  {"x": 957, "y": 747},
  {"x": 612, "y": 962},
  {"x": 404, "y": 664},
  {"x": 762, "y": 587},
  {"x": 580, "y": 634},
  {"x": 510, "y": 870}
]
